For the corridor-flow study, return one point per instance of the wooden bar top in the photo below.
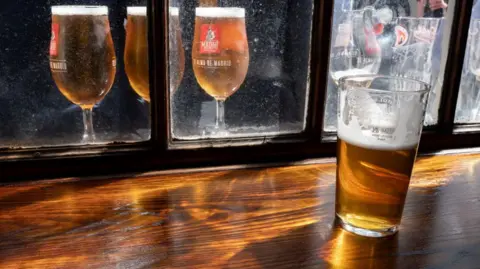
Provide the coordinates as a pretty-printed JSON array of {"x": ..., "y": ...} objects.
[{"x": 254, "y": 218}]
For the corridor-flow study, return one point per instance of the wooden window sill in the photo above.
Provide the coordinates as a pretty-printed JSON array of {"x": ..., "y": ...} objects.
[{"x": 253, "y": 218}]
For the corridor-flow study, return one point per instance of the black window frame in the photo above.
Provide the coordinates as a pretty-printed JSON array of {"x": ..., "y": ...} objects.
[{"x": 162, "y": 152}]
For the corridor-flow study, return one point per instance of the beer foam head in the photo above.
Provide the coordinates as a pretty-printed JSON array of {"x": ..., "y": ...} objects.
[
  {"x": 220, "y": 12},
  {"x": 364, "y": 142},
  {"x": 80, "y": 10},
  {"x": 353, "y": 134},
  {"x": 137, "y": 11}
]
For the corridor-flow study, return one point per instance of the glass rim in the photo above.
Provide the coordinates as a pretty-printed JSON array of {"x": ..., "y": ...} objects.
[{"x": 425, "y": 86}]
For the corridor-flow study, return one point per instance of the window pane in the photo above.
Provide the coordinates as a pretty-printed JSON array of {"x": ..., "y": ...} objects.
[
  {"x": 468, "y": 104},
  {"x": 52, "y": 66},
  {"x": 407, "y": 38},
  {"x": 249, "y": 59}
]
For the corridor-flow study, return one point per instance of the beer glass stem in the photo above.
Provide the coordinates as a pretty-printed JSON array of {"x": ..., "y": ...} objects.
[
  {"x": 88, "y": 135},
  {"x": 220, "y": 119}
]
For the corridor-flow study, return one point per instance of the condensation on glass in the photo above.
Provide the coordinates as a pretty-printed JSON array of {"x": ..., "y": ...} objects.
[
  {"x": 402, "y": 38},
  {"x": 238, "y": 68},
  {"x": 468, "y": 105},
  {"x": 57, "y": 60}
]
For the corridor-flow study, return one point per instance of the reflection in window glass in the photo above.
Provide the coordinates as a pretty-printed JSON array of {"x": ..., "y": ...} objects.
[
  {"x": 239, "y": 68},
  {"x": 468, "y": 105},
  {"x": 62, "y": 73},
  {"x": 406, "y": 38}
]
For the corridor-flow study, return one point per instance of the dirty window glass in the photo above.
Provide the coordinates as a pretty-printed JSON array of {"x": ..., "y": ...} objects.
[
  {"x": 468, "y": 105},
  {"x": 238, "y": 68},
  {"x": 406, "y": 38},
  {"x": 63, "y": 65}
]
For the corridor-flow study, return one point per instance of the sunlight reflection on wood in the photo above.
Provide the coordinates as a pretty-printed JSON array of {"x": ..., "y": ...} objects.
[{"x": 254, "y": 218}]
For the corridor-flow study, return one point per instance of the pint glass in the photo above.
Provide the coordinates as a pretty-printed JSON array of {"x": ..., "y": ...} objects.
[{"x": 380, "y": 121}]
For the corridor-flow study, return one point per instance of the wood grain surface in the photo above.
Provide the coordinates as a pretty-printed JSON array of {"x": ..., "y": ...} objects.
[{"x": 258, "y": 218}]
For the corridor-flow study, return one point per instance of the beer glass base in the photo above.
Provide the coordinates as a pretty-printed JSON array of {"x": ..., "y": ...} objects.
[
  {"x": 366, "y": 232},
  {"x": 212, "y": 132}
]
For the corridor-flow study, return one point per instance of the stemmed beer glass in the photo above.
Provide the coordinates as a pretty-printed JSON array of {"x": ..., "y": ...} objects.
[
  {"x": 82, "y": 58},
  {"x": 220, "y": 55},
  {"x": 136, "y": 50}
]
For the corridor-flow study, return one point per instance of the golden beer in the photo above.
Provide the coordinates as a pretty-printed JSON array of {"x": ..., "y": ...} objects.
[
  {"x": 136, "y": 51},
  {"x": 176, "y": 51},
  {"x": 82, "y": 55},
  {"x": 220, "y": 50},
  {"x": 208, "y": 3},
  {"x": 372, "y": 184}
]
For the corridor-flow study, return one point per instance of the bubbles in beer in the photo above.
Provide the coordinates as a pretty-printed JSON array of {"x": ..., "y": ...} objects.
[
  {"x": 136, "y": 51},
  {"x": 220, "y": 50}
]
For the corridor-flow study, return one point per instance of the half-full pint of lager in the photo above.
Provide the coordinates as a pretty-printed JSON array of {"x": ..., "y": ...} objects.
[{"x": 380, "y": 122}]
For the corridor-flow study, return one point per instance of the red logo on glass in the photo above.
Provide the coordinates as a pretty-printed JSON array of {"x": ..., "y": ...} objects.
[
  {"x": 54, "y": 41},
  {"x": 209, "y": 39}
]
